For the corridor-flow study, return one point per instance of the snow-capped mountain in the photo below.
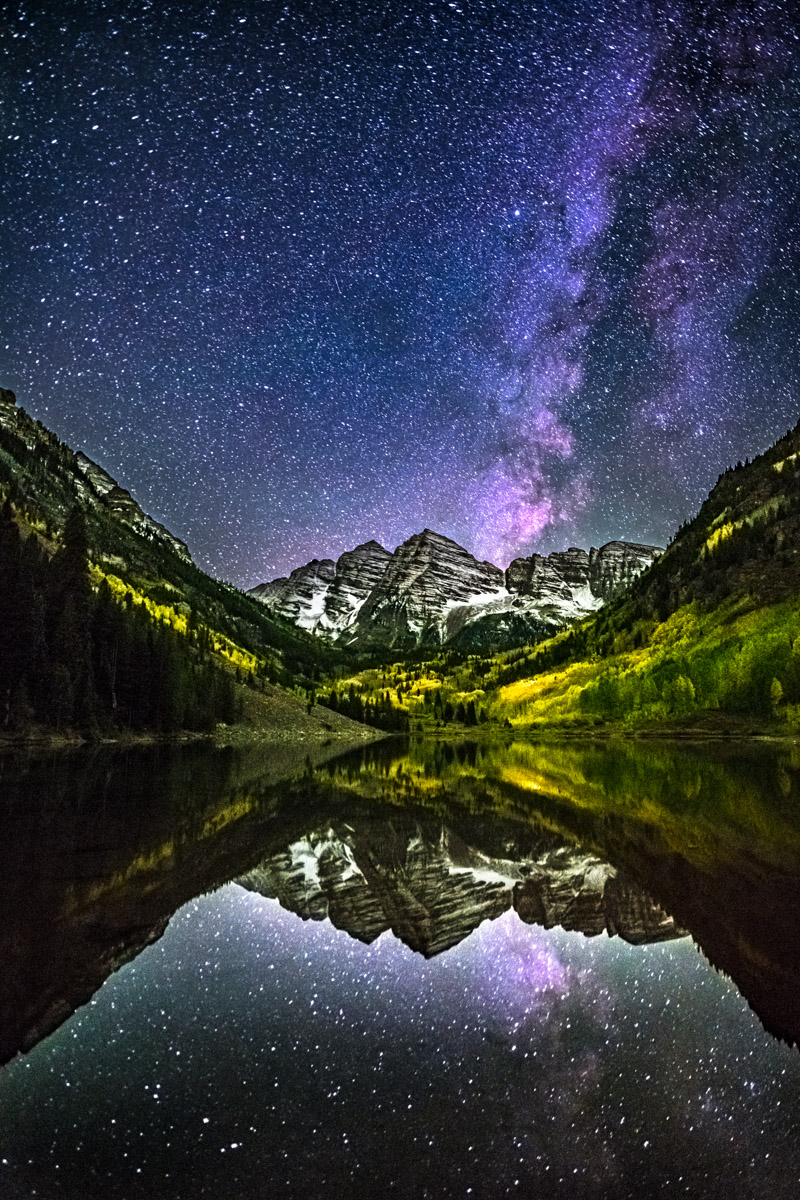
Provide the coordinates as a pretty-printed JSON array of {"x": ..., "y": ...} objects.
[
  {"x": 431, "y": 591},
  {"x": 426, "y": 581},
  {"x": 326, "y": 596}
]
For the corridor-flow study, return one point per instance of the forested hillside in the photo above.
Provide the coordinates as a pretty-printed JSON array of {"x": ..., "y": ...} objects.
[
  {"x": 74, "y": 658},
  {"x": 106, "y": 622},
  {"x": 43, "y": 480},
  {"x": 710, "y": 631}
]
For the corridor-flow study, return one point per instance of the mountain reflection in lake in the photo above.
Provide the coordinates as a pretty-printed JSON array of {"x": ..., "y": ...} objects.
[{"x": 437, "y": 1024}]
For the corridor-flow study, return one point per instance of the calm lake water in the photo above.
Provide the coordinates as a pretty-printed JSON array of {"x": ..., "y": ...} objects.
[{"x": 420, "y": 971}]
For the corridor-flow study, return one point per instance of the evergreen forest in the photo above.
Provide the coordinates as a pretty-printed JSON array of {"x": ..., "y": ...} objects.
[{"x": 78, "y": 658}]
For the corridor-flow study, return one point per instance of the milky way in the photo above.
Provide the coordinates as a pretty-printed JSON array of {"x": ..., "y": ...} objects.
[{"x": 305, "y": 274}]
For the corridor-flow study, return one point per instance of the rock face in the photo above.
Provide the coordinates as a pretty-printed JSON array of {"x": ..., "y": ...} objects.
[
  {"x": 326, "y": 596},
  {"x": 125, "y": 508},
  {"x": 432, "y": 888},
  {"x": 426, "y": 580},
  {"x": 431, "y": 591},
  {"x": 574, "y": 579},
  {"x": 357, "y": 573},
  {"x": 615, "y": 565},
  {"x": 300, "y": 598}
]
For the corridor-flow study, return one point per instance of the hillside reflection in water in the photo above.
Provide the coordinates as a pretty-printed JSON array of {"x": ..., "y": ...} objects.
[{"x": 438, "y": 1021}]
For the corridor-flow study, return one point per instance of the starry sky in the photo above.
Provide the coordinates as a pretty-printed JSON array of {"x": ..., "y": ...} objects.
[
  {"x": 301, "y": 274},
  {"x": 247, "y": 1053}
]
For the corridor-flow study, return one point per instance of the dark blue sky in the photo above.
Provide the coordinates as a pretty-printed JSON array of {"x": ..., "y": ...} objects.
[{"x": 303, "y": 274}]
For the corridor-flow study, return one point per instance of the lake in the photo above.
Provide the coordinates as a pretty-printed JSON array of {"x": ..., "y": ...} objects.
[{"x": 416, "y": 970}]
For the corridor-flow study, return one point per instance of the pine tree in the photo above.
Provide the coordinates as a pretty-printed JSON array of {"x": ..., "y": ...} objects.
[
  {"x": 70, "y": 604},
  {"x": 10, "y": 615}
]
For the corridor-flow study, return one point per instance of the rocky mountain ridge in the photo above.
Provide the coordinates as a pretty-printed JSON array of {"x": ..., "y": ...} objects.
[
  {"x": 95, "y": 486},
  {"x": 431, "y": 590}
]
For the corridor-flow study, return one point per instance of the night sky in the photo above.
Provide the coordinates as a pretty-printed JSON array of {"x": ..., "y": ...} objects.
[{"x": 304, "y": 274}]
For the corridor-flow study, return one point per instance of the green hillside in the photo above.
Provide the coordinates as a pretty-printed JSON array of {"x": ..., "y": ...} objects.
[
  {"x": 708, "y": 636},
  {"x": 105, "y": 618}
]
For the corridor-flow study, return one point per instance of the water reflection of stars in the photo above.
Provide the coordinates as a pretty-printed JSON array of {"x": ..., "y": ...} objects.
[{"x": 248, "y": 1051}]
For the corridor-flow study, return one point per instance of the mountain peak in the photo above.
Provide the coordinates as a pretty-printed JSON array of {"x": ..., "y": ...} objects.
[
  {"x": 431, "y": 590},
  {"x": 430, "y": 536},
  {"x": 369, "y": 545}
]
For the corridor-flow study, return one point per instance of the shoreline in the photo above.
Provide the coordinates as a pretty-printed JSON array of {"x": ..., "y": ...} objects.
[
  {"x": 232, "y": 736},
  {"x": 554, "y": 733},
  {"x": 349, "y": 736}
]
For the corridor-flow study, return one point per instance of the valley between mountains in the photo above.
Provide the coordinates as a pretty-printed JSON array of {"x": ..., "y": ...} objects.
[{"x": 112, "y": 631}]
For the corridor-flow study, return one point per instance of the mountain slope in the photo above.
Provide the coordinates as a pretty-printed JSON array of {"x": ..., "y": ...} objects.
[
  {"x": 431, "y": 591},
  {"x": 710, "y": 634},
  {"x": 44, "y": 479},
  {"x": 109, "y": 627}
]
